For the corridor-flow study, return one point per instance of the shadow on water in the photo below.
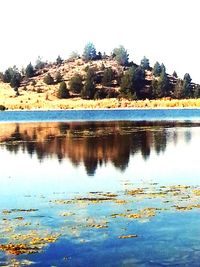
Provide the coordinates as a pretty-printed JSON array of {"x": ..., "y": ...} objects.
[{"x": 92, "y": 143}]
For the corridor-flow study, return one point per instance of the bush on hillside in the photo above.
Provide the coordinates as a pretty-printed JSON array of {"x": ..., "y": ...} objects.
[
  {"x": 2, "y": 108},
  {"x": 76, "y": 84},
  {"x": 63, "y": 92},
  {"x": 48, "y": 79}
]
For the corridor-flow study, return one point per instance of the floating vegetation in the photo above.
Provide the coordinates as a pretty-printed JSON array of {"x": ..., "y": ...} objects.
[
  {"x": 5, "y": 212},
  {"x": 17, "y": 249},
  {"x": 135, "y": 192},
  {"x": 31, "y": 243},
  {"x": 127, "y": 236},
  {"x": 21, "y": 233},
  {"x": 98, "y": 226}
]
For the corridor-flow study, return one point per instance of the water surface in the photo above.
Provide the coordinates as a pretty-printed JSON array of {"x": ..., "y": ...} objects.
[
  {"x": 102, "y": 115},
  {"x": 115, "y": 193}
]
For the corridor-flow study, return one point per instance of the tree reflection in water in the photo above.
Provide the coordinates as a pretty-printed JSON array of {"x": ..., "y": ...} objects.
[{"x": 91, "y": 143}]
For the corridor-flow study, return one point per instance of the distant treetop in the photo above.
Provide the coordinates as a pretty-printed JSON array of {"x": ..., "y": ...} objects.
[
  {"x": 121, "y": 55},
  {"x": 89, "y": 52},
  {"x": 145, "y": 63}
]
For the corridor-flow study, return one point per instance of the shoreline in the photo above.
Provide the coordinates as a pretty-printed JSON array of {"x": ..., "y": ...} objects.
[
  {"x": 101, "y": 109},
  {"x": 20, "y": 104}
]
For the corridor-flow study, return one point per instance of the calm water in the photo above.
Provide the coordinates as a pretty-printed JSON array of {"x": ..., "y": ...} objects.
[
  {"x": 101, "y": 115},
  {"x": 90, "y": 185}
]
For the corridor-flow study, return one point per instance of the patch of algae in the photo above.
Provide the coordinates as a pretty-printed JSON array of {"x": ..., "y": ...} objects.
[
  {"x": 17, "y": 249},
  {"x": 127, "y": 236},
  {"x": 30, "y": 243},
  {"x": 180, "y": 198},
  {"x": 144, "y": 213}
]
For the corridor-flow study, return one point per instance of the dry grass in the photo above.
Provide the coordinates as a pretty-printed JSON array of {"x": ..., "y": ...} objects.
[{"x": 32, "y": 100}]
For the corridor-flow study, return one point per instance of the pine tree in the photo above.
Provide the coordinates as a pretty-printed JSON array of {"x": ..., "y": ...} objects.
[
  {"x": 89, "y": 52},
  {"x": 157, "y": 69},
  {"x": 187, "y": 87},
  {"x": 126, "y": 86},
  {"x": 121, "y": 55},
  {"x": 29, "y": 71},
  {"x": 133, "y": 82},
  {"x": 145, "y": 63},
  {"x": 161, "y": 85}
]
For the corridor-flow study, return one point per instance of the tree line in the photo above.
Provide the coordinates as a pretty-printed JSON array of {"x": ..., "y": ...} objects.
[{"x": 134, "y": 81}]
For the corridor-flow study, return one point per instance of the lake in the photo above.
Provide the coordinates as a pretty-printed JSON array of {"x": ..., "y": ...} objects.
[{"x": 100, "y": 188}]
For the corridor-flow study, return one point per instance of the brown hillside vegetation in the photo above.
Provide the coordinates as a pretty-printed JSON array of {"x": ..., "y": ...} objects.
[{"x": 35, "y": 94}]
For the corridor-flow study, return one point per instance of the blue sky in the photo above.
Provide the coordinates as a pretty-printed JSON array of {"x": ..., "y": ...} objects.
[{"x": 164, "y": 31}]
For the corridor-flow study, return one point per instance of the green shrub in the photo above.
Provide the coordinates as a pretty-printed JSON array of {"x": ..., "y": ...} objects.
[
  {"x": 63, "y": 92},
  {"x": 48, "y": 79},
  {"x": 2, "y": 108},
  {"x": 108, "y": 76},
  {"x": 75, "y": 84}
]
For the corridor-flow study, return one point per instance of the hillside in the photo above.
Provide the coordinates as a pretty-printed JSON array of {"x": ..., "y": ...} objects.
[{"x": 34, "y": 93}]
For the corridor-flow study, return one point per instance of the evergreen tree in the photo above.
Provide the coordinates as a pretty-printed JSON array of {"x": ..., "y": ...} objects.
[
  {"x": 187, "y": 78},
  {"x": 29, "y": 71},
  {"x": 133, "y": 82},
  {"x": 76, "y": 84},
  {"x": 63, "y": 92},
  {"x": 163, "y": 68},
  {"x": 9, "y": 73},
  {"x": 15, "y": 80},
  {"x": 139, "y": 81},
  {"x": 161, "y": 85},
  {"x": 126, "y": 86},
  {"x": 145, "y": 63},
  {"x": 187, "y": 87},
  {"x": 175, "y": 74},
  {"x": 178, "y": 89},
  {"x": 108, "y": 76},
  {"x": 197, "y": 91},
  {"x": 89, "y": 52},
  {"x": 59, "y": 60},
  {"x": 89, "y": 88},
  {"x": 121, "y": 55},
  {"x": 7, "y": 76},
  {"x": 157, "y": 69}
]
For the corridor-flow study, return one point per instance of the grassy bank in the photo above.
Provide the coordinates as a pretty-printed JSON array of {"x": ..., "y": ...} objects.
[{"x": 32, "y": 100}]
